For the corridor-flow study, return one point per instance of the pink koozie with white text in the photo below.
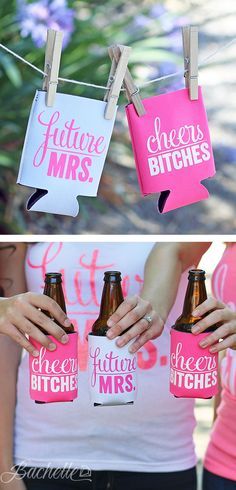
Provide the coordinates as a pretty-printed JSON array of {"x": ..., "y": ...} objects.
[
  {"x": 172, "y": 148},
  {"x": 112, "y": 372},
  {"x": 54, "y": 375},
  {"x": 193, "y": 370}
]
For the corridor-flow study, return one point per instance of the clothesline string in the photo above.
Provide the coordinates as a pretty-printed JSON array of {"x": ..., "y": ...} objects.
[{"x": 102, "y": 87}]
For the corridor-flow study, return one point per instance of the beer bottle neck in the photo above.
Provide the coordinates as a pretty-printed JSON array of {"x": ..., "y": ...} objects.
[
  {"x": 55, "y": 292},
  {"x": 112, "y": 297},
  {"x": 195, "y": 295}
]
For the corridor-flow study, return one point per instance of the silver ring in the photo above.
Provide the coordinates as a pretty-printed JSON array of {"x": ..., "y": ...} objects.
[{"x": 149, "y": 320}]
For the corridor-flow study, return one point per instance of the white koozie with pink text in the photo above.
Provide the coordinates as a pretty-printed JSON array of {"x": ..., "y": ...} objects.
[
  {"x": 112, "y": 372},
  {"x": 64, "y": 152}
]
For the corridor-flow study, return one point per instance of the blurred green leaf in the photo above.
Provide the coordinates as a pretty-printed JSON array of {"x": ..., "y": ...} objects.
[
  {"x": 11, "y": 70},
  {"x": 5, "y": 160}
]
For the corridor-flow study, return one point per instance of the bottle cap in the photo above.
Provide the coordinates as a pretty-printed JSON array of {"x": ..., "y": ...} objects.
[
  {"x": 110, "y": 276},
  {"x": 196, "y": 275},
  {"x": 53, "y": 278}
]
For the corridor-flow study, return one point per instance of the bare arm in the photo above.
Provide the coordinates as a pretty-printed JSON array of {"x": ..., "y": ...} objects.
[
  {"x": 163, "y": 270},
  {"x": 12, "y": 281},
  {"x": 217, "y": 398},
  {"x": 19, "y": 314},
  {"x": 19, "y": 310}
]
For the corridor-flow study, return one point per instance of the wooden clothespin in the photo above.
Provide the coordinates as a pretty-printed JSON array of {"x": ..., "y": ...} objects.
[
  {"x": 115, "y": 80},
  {"x": 190, "y": 48},
  {"x": 52, "y": 64},
  {"x": 132, "y": 92}
]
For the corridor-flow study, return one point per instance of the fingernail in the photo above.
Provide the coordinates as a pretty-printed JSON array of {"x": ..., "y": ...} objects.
[
  {"x": 196, "y": 329},
  {"x": 110, "y": 323},
  {"x": 203, "y": 343},
  {"x": 67, "y": 322},
  {"x": 35, "y": 353},
  {"x": 131, "y": 350},
  {"x": 212, "y": 350},
  {"x": 52, "y": 347},
  {"x": 64, "y": 338},
  {"x": 110, "y": 334},
  {"x": 120, "y": 343}
]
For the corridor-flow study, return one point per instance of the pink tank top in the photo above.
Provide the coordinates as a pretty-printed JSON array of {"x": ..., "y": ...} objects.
[{"x": 220, "y": 457}]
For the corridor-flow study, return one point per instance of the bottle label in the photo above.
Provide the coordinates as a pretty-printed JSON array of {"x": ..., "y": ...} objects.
[
  {"x": 54, "y": 375},
  {"x": 112, "y": 372},
  {"x": 193, "y": 370}
]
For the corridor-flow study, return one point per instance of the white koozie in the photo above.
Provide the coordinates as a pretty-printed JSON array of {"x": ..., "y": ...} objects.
[{"x": 112, "y": 372}]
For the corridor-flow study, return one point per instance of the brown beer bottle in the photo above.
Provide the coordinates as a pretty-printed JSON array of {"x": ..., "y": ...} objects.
[
  {"x": 53, "y": 289},
  {"x": 112, "y": 297},
  {"x": 195, "y": 295}
]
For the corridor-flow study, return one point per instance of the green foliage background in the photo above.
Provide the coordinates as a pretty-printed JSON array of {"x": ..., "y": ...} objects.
[
  {"x": 97, "y": 25},
  {"x": 156, "y": 42}
]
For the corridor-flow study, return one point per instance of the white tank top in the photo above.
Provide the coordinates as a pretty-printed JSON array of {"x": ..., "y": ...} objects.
[{"x": 154, "y": 434}]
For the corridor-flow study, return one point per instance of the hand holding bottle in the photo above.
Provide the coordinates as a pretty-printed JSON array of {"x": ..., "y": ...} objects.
[
  {"x": 215, "y": 312},
  {"x": 20, "y": 315},
  {"x": 138, "y": 314},
  {"x": 54, "y": 375}
]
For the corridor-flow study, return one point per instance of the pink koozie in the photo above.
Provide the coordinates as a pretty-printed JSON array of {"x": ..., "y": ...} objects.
[
  {"x": 193, "y": 370},
  {"x": 172, "y": 148},
  {"x": 54, "y": 375}
]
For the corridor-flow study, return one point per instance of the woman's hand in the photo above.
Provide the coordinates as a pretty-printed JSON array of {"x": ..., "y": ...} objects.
[
  {"x": 217, "y": 313},
  {"x": 19, "y": 315},
  {"x": 132, "y": 313}
]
